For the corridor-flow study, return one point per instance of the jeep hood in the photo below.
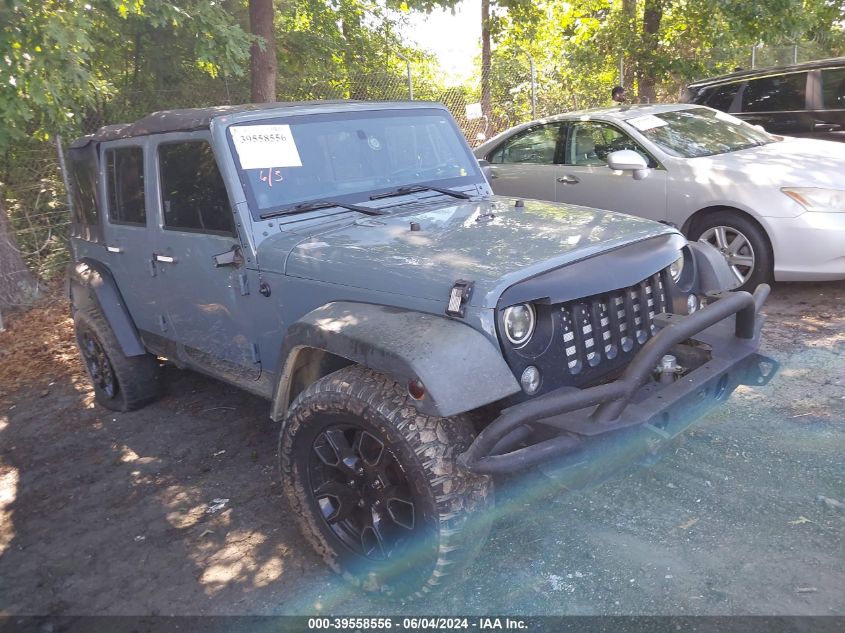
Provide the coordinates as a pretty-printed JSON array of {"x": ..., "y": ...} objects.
[{"x": 491, "y": 242}]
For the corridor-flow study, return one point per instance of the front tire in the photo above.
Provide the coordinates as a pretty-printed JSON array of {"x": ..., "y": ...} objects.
[
  {"x": 743, "y": 244},
  {"x": 375, "y": 486}
]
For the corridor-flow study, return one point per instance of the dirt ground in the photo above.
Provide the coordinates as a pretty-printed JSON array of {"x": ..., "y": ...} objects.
[{"x": 104, "y": 513}]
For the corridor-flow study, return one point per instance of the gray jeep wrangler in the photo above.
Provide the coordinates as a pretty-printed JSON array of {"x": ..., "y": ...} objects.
[{"x": 414, "y": 333}]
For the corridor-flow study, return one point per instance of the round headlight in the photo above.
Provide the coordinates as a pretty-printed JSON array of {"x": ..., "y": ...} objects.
[
  {"x": 676, "y": 268},
  {"x": 519, "y": 323}
]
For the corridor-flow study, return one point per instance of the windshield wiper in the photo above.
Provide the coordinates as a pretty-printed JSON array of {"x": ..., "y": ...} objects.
[
  {"x": 314, "y": 205},
  {"x": 401, "y": 191}
]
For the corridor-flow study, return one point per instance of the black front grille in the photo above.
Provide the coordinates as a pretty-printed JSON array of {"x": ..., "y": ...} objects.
[{"x": 598, "y": 330}]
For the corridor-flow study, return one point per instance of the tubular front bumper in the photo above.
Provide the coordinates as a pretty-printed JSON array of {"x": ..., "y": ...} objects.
[{"x": 634, "y": 413}]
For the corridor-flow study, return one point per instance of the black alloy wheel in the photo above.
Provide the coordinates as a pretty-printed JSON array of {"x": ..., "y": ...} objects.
[
  {"x": 362, "y": 492},
  {"x": 97, "y": 363}
]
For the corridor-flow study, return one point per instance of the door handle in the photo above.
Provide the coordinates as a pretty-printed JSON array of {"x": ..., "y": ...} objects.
[
  {"x": 568, "y": 179},
  {"x": 826, "y": 127},
  {"x": 166, "y": 259},
  {"x": 232, "y": 257}
]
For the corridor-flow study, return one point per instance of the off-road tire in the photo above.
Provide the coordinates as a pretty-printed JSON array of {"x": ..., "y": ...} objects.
[
  {"x": 763, "y": 256},
  {"x": 136, "y": 377},
  {"x": 459, "y": 502}
]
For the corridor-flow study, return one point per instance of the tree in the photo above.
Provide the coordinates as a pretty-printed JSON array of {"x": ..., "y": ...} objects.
[
  {"x": 15, "y": 278},
  {"x": 577, "y": 46},
  {"x": 486, "y": 60},
  {"x": 64, "y": 59},
  {"x": 525, "y": 17},
  {"x": 263, "y": 62},
  {"x": 649, "y": 50}
]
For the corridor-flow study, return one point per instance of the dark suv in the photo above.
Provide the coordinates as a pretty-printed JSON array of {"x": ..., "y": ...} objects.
[{"x": 805, "y": 99}]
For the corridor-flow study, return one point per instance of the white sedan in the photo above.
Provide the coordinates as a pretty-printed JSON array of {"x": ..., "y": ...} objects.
[{"x": 774, "y": 206}]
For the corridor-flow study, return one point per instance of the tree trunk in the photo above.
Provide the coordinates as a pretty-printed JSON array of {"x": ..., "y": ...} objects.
[
  {"x": 15, "y": 278},
  {"x": 263, "y": 64},
  {"x": 629, "y": 11},
  {"x": 652, "y": 15},
  {"x": 486, "y": 61},
  {"x": 350, "y": 28}
]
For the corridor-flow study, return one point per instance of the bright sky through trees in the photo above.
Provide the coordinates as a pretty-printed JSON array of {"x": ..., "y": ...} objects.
[{"x": 454, "y": 39}]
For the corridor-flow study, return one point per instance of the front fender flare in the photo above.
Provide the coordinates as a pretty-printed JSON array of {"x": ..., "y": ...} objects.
[{"x": 460, "y": 368}]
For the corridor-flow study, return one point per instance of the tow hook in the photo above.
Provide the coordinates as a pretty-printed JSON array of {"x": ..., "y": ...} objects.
[{"x": 669, "y": 369}]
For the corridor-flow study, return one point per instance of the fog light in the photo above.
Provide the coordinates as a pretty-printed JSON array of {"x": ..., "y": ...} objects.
[
  {"x": 530, "y": 380},
  {"x": 692, "y": 304}
]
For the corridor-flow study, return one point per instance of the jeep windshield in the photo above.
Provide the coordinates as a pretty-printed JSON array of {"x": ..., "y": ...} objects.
[
  {"x": 699, "y": 132},
  {"x": 348, "y": 157}
]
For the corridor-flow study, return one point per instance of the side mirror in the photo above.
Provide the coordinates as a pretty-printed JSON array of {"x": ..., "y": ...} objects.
[
  {"x": 628, "y": 160},
  {"x": 485, "y": 168}
]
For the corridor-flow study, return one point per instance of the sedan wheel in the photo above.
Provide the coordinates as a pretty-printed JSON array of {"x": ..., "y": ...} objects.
[
  {"x": 742, "y": 242},
  {"x": 735, "y": 247}
]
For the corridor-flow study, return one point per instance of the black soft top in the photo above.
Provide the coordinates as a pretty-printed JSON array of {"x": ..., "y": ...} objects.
[
  {"x": 764, "y": 72},
  {"x": 185, "y": 120}
]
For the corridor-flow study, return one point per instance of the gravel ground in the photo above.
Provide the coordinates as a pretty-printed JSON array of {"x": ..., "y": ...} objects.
[{"x": 104, "y": 513}]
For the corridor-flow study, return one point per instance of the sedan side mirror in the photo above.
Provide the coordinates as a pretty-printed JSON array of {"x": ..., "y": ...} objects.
[{"x": 628, "y": 160}]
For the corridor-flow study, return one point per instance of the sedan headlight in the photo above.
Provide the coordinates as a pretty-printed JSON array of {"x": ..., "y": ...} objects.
[
  {"x": 818, "y": 200},
  {"x": 519, "y": 323},
  {"x": 677, "y": 267}
]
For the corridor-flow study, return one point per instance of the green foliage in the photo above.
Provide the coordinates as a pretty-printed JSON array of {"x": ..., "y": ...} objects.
[
  {"x": 346, "y": 49},
  {"x": 577, "y": 47},
  {"x": 63, "y": 57}
]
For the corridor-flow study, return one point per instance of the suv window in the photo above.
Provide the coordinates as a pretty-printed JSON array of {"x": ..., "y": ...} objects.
[
  {"x": 775, "y": 94},
  {"x": 125, "y": 185},
  {"x": 833, "y": 88},
  {"x": 722, "y": 97},
  {"x": 699, "y": 96},
  {"x": 537, "y": 146},
  {"x": 82, "y": 169},
  {"x": 193, "y": 195},
  {"x": 590, "y": 143}
]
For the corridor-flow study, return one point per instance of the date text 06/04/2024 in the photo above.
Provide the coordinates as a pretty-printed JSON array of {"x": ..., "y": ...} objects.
[{"x": 417, "y": 624}]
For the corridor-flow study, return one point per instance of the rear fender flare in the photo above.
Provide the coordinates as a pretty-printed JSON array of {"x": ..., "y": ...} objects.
[{"x": 90, "y": 284}]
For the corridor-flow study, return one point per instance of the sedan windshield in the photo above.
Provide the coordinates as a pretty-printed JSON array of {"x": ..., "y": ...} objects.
[
  {"x": 348, "y": 157},
  {"x": 699, "y": 132}
]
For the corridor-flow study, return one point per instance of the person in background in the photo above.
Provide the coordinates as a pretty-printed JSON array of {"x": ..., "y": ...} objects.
[{"x": 619, "y": 95}]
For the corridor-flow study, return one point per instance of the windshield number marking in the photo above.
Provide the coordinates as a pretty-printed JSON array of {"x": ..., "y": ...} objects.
[
  {"x": 273, "y": 174},
  {"x": 263, "y": 146}
]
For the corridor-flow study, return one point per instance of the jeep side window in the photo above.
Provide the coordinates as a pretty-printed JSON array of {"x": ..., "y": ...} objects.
[
  {"x": 125, "y": 186},
  {"x": 193, "y": 195},
  {"x": 82, "y": 171},
  {"x": 537, "y": 146}
]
